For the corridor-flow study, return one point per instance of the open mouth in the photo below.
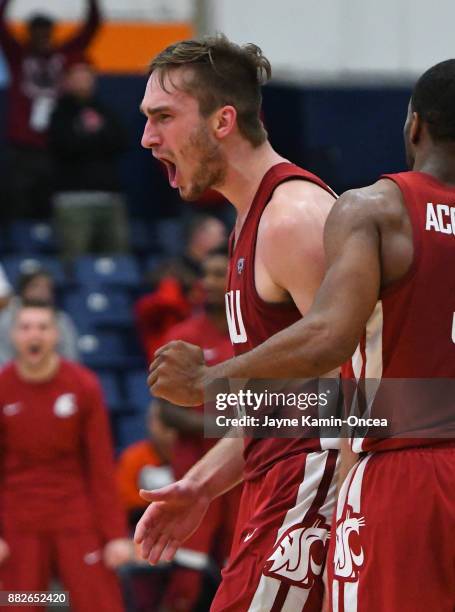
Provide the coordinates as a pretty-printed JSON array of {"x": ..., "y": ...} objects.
[
  {"x": 34, "y": 349},
  {"x": 171, "y": 172}
]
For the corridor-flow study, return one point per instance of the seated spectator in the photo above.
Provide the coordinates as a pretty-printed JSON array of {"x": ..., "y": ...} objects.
[
  {"x": 39, "y": 286},
  {"x": 86, "y": 139},
  {"x": 172, "y": 300},
  {"x": 145, "y": 464}
]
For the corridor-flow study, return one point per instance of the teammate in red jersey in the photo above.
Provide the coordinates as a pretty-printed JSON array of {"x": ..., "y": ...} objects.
[
  {"x": 389, "y": 291},
  {"x": 202, "y": 104},
  {"x": 58, "y": 509}
]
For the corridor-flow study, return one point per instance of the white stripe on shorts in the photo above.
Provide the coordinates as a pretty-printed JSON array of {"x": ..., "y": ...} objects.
[
  {"x": 268, "y": 587},
  {"x": 350, "y": 494}
]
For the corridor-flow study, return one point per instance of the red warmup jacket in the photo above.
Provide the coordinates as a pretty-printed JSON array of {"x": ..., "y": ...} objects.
[{"x": 56, "y": 460}]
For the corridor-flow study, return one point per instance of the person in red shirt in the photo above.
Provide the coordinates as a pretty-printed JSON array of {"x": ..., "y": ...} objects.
[
  {"x": 58, "y": 510},
  {"x": 36, "y": 68}
]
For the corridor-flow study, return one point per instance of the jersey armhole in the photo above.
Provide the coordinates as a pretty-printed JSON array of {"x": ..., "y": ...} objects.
[{"x": 411, "y": 208}]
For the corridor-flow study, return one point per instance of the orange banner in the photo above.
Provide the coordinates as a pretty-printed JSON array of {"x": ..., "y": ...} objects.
[{"x": 127, "y": 47}]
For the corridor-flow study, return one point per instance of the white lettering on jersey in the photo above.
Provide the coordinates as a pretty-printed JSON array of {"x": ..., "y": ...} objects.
[
  {"x": 237, "y": 330},
  {"x": 440, "y": 218},
  {"x": 65, "y": 405},
  {"x": 453, "y": 328}
]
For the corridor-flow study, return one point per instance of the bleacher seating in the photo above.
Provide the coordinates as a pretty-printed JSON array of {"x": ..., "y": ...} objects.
[
  {"x": 15, "y": 265},
  {"x": 129, "y": 429},
  {"x": 137, "y": 392},
  {"x": 114, "y": 271},
  {"x": 112, "y": 393},
  {"x": 98, "y": 308},
  {"x": 32, "y": 237}
]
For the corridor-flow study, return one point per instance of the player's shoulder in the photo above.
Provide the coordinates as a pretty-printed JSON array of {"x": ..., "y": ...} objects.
[
  {"x": 379, "y": 201},
  {"x": 295, "y": 207},
  {"x": 7, "y": 371}
]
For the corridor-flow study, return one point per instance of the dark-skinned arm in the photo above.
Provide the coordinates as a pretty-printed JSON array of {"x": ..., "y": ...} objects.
[{"x": 328, "y": 335}]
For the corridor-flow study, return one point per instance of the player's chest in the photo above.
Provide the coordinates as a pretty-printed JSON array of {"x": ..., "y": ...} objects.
[{"x": 41, "y": 419}]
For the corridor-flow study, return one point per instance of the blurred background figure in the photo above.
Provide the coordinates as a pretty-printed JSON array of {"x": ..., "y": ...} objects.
[
  {"x": 86, "y": 139},
  {"x": 60, "y": 508},
  {"x": 202, "y": 234},
  {"x": 37, "y": 286},
  {"x": 146, "y": 463},
  {"x": 36, "y": 66},
  {"x": 211, "y": 542}
]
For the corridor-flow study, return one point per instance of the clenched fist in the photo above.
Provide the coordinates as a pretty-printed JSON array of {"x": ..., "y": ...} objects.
[{"x": 177, "y": 374}]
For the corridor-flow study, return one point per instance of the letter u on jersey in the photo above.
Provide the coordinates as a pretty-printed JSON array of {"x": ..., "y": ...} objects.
[{"x": 237, "y": 330}]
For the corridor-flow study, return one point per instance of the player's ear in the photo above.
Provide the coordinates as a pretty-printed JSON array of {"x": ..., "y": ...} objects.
[
  {"x": 415, "y": 129},
  {"x": 223, "y": 121}
]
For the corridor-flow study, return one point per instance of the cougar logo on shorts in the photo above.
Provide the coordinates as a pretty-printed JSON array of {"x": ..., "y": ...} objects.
[
  {"x": 240, "y": 265},
  {"x": 299, "y": 554},
  {"x": 65, "y": 405},
  {"x": 347, "y": 561}
]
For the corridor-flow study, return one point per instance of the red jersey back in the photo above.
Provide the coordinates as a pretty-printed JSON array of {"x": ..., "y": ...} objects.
[
  {"x": 411, "y": 333},
  {"x": 251, "y": 320}
]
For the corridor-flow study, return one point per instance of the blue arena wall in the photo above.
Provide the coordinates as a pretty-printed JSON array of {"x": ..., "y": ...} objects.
[{"x": 347, "y": 135}]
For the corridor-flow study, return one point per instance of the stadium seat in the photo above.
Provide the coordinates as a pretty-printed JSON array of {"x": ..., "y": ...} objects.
[
  {"x": 118, "y": 270},
  {"x": 95, "y": 309},
  {"x": 106, "y": 349},
  {"x": 129, "y": 429},
  {"x": 137, "y": 392},
  {"x": 170, "y": 237},
  {"x": 15, "y": 265},
  {"x": 111, "y": 388},
  {"x": 141, "y": 239},
  {"x": 32, "y": 237}
]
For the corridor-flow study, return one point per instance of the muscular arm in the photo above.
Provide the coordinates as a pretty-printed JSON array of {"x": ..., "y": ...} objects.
[
  {"x": 327, "y": 336},
  {"x": 184, "y": 420},
  {"x": 220, "y": 469}
]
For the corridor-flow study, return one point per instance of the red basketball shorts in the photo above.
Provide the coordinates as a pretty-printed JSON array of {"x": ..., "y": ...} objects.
[
  {"x": 280, "y": 542},
  {"x": 393, "y": 542}
]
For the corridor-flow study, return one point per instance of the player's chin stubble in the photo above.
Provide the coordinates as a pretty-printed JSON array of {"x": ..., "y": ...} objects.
[{"x": 211, "y": 169}]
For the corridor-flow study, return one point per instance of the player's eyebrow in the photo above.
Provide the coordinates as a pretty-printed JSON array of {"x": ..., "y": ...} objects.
[{"x": 149, "y": 112}]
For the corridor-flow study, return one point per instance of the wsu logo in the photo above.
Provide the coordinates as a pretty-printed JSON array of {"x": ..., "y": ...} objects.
[
  {"x": 65, "y": 405},
  {"x": 234, "y": 317},
  {"x": 348, "y": 562},
  {"x": 299, "y": 555}
]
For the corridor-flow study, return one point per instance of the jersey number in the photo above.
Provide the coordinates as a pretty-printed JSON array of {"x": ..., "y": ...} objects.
[{"x": 237, "y": 331}]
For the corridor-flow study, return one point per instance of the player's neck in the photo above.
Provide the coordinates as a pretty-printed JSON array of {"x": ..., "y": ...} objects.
[
  {"x": 38, "y": 372},
  {"x": 246, "y": 169},
  {"x": 438, "y": 162}
]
